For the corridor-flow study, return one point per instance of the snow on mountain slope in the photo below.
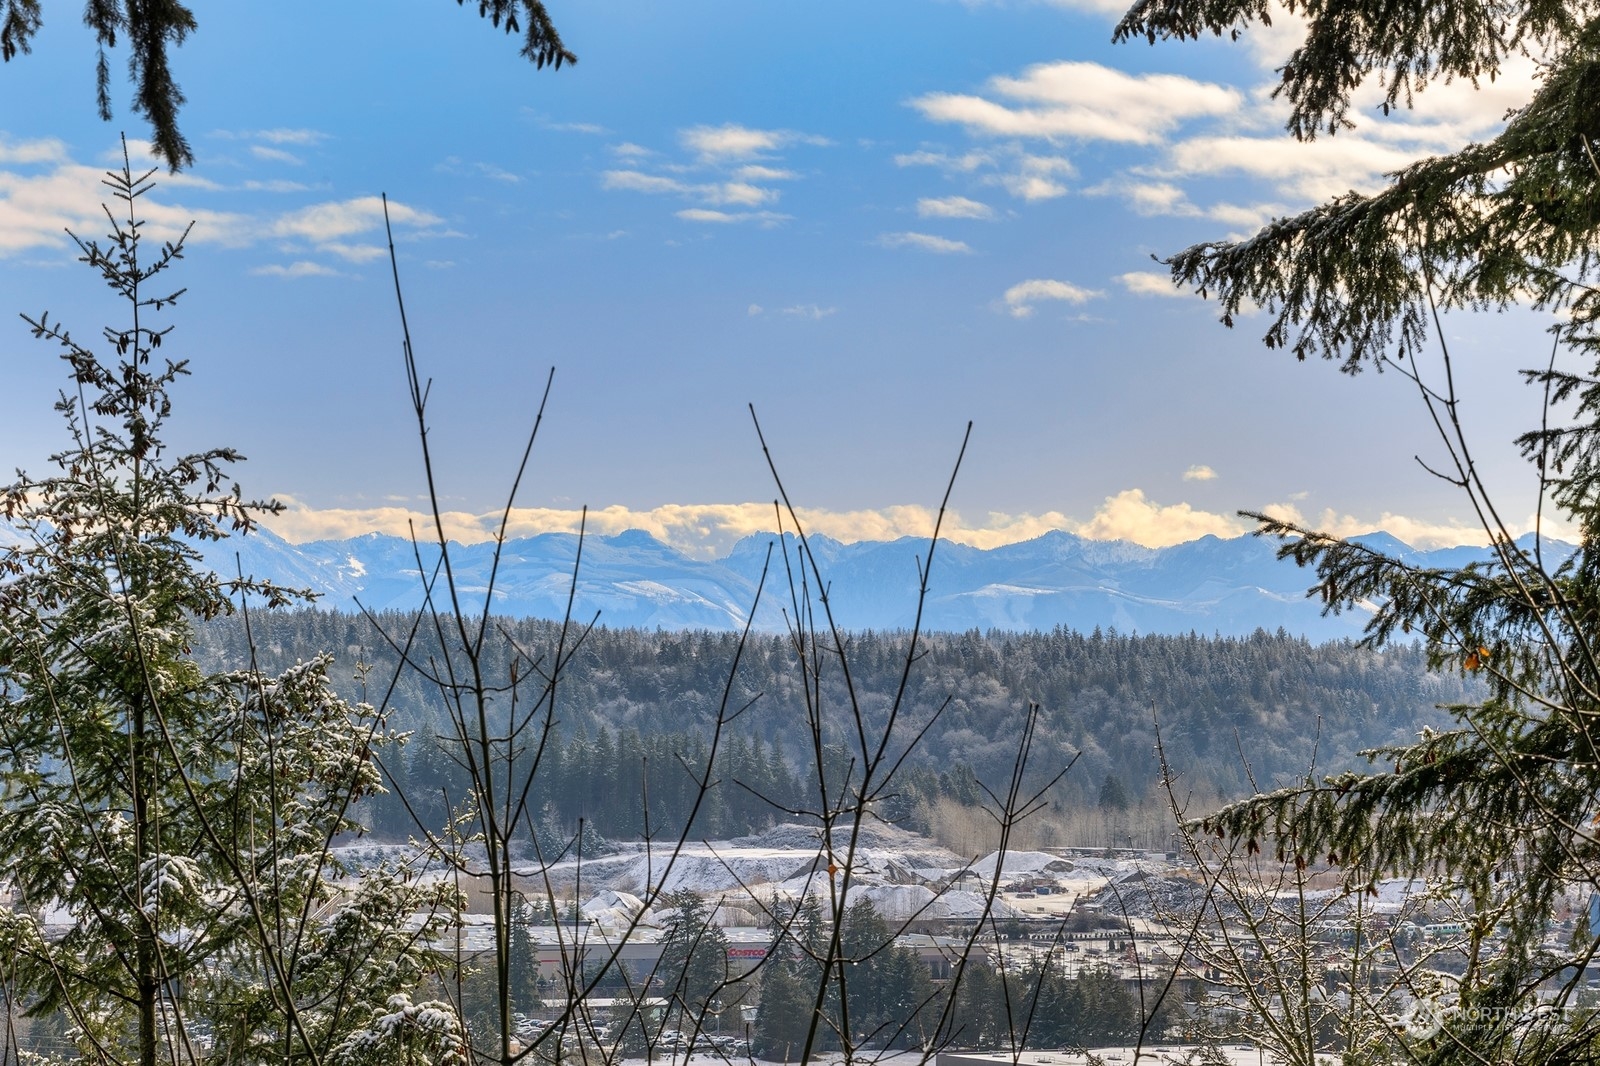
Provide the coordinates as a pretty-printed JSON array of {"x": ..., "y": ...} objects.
[{"x": 1210, "y": 585}]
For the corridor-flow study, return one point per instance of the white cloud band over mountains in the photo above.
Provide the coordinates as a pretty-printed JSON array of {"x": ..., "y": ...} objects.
[{"x": 709, "y": 530}]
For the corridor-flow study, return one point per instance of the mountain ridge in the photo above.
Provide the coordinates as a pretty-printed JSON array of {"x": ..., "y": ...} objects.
[{"x": 631, "y": 579}]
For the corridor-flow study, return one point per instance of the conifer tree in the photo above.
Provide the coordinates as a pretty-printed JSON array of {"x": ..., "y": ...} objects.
[
  {"x": 1509, "y": 221},
  {"x": 1498, "y": 812},
  {"x": 694, "y": 960},
  {"x": 149, "y": 29},
  {"x": 789, "y": 979},
  {"x": 176, "y": 825}
]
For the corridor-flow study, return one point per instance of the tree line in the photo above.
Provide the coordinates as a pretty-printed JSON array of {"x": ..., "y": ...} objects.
[{"x": 635, "y": 706}]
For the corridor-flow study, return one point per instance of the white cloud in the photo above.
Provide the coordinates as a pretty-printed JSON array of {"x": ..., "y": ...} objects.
[
  {"x": 1156, "y": 284},
  {"x": 140, "y": 155},
  {"x": 744, "y": 194},
  {"x": 638, "y": 181},
  {"x": 302, "y": 137},
  {"x": 1313, "y": 170},
  {"x": 736, "y": 193},
  {"x": 953, "y": 207},
  {"x": 1032, "y": 187},
  {"x": 1150, "y": 283},
  {"x": 354, "y": 253},
  {"x": 763, "y": 218},
  {"x": 1199, "y": 472},
  {"x": 1444, "y": 117},
  {"x": 740, "y": 156},
  {"x": 327, "y": 227},
  {"x": 811, "y": 311},
  {"x": 1020, "y": 298},
  {"x": 302, "y": 269},
  {"x": 1244, "y": 217},
  {"x": 1449, "y": 113},
  {"x": 456, "y": 165},
  {"x": 576, "y": 127},
  {"x": 274, "y": 186},
  {"x": 735, "y": 142},
  {"x": 709, "y": 530},
  {"x": 336, "y": 219},
  {"x": 494, "y": 173},
  {"x": 1155, "y": 198},
  {"x": 699, "y": 214},
  {"x": 275, "y": 155},
  {"x": 965, "y": 163},
  {"x": 1131, "y": 516},
  {"x": 1193, "y": 129},
  {"x": 1273, "y": 41},
  {"x": 1086, "y": 101},
  {"x": 1110, "y": 9},
  {"x": 1024, "y": 174},
  {"x": 926, "y": 242},
  {"x": 1114, "y": 9},
  {"x": 738, "y": 142},
  {"x": 756, "y": 172},
  {"x": 291, "y": 136},
  {"x": 702, "y": 530},
  {"x": 629, "y": 150},
  {"x": 35, "y": 209},
  {"x": 1418, "y": 533},
  {"x": 1045, "y": 164},
  {"x": 24, "y": 153}
]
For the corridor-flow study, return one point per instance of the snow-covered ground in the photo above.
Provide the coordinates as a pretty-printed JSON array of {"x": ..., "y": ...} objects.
[
  {"x": 906, "y": 876},
  {"x": 786, "y": 861}
]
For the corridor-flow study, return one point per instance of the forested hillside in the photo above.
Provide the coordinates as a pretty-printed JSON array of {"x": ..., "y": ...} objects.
[{"x": 631, "y": 703}]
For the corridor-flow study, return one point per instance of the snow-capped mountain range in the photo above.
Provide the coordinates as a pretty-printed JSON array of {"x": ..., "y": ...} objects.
[{"x": 1208, "y": 585}]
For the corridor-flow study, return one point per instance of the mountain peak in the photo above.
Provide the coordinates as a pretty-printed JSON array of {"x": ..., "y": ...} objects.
[
  {"x": 1229, "y": 586},
  {"x": 633, "y": 538}
]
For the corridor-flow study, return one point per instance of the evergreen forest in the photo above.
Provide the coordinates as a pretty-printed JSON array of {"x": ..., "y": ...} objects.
[{"x": 634, "y": 710}]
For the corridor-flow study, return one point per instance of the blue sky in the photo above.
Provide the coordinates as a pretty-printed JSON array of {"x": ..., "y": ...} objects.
[{"x": 872, "y": 221}]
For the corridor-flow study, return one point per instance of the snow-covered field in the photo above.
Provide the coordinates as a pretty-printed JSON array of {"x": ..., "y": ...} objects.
[{"x": 906, "y": 876}]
